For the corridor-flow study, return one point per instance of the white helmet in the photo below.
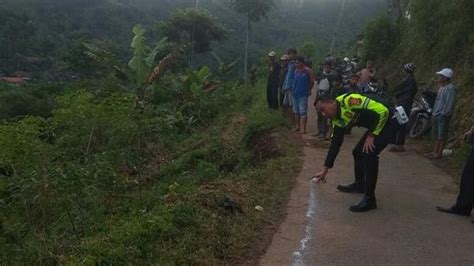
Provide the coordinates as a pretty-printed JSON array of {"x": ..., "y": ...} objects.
[{"x": 347, "y": 60}]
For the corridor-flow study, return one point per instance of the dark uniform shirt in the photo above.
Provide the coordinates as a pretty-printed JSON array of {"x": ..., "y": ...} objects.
[
  {"x": 355, "y": 110},
  {"x": 405, "y": 93}
]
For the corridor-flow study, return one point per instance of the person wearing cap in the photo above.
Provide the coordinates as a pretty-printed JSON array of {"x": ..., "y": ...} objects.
[
  {"x": 273, "y": 81},
  {"x": 465, "y": 200},
  {"x": 442, "y": 112},
  {"x": 404, "y": 96}
]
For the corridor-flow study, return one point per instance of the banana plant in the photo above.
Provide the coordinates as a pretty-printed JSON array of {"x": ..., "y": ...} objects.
[
  {"x": 141, "y": 70},
  {"x": 224, "y": 68},
  {"x": 197, "y": 79}
]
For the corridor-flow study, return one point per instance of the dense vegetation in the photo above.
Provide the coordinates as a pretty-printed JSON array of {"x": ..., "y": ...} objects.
[
  {"x": 147, "y": 151},
  {"x": 434, "y": 35},
  {"x": 104, "y": 181},
  {"x": 45, "y": 36}
]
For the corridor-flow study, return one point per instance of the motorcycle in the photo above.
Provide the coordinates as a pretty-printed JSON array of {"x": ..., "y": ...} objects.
[
  {"x": 376, "y": 89},
  {"x": 421, "y": 114}
]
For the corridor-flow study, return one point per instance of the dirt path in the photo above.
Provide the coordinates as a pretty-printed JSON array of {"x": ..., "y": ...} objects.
[{"x": 405, "y": 229}]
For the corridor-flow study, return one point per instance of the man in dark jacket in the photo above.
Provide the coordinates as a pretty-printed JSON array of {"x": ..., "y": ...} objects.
[
  {"x": 273, "y": 81},
  {"x": 404, "y": 96},
  {"x": 465, "y": 200}
]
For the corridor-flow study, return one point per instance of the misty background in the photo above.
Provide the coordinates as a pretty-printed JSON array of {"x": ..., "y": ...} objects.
[{"x": 50, "y": 31}]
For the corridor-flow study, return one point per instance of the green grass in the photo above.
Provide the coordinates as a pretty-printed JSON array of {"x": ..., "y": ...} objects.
[{"x": 101, "y": 211}]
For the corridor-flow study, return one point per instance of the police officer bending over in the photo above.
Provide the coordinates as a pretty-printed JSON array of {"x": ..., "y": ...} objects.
[{"x": 347, "y": 111}]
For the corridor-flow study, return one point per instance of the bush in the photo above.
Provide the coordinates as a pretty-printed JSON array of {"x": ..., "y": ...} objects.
[{"x": 98, "y": 181}]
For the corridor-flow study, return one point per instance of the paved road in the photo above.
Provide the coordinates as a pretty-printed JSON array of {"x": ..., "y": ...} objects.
[{"x": 405, "y": 229}]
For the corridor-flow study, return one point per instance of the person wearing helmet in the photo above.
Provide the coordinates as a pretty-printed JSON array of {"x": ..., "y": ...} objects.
[
  {"x": 347, "y": 111},
  {"x": 273, "y": 81},
  {"x": 404, "y": 97},
  {"x": 442, "y": 112},
  {"x": 348, "y": 68}
]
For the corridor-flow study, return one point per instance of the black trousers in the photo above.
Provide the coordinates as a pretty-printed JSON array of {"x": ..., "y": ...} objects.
[
  {"x": 272, "y": 95},
  {"x": 366, "y": 165},
  {"x": 465, "y": 198},
  {"x": 401, "y": 135},
  {"x": 323, "y": 125},
  {"x": 402, "y": 131}
]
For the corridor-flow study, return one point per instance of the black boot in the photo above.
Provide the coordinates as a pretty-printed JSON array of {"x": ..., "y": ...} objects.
[
  {"x": 352, "y": 188},
  {"x": 454, "y": 210},
  {"x": 366, "y": 204}
]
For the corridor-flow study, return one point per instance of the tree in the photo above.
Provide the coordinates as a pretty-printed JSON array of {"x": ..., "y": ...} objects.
[
  {"x": 255, "y": 10},
  {"x": 186, "y": 26},
  {"x": 381, "y": 37},
  {"x": 15, "y": 37}
]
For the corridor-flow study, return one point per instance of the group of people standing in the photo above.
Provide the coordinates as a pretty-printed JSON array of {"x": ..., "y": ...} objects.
[
  {"x": 346, "y": 98},
  {"x": 292, "y": 79}
]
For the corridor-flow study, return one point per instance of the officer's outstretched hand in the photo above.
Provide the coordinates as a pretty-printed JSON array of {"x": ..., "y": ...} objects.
[
  {"x": 321, "y": 176},
  {"x": 369, "y": 145}
]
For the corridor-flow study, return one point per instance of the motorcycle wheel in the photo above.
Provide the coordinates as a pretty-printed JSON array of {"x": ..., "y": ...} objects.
[{"x": 419, "y": 128}]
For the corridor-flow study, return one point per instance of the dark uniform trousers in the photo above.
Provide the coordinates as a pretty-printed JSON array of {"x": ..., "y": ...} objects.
[
  {"x": 402, "y": 132},
  {"x": 366, "y": 165},
  {"x": 465, "y": 198}
]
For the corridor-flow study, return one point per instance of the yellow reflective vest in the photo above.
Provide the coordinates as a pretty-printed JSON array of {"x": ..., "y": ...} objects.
[{"x": 356, "y": 109}]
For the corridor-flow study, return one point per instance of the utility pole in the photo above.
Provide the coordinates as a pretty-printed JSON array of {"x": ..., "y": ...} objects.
[
  {"x": 191, "y": 60},
  {"x": 338, "y": 23}
]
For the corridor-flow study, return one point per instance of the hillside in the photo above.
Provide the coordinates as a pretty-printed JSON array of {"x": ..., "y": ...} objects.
[
  {"x": 115, "y": 152},
  {"x": 434, "y": 35},
  {"x": 49, "y": 30}
]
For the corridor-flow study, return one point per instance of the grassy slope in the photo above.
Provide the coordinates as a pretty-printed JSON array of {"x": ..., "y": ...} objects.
[
  {"x": 188, "y": 226},
  {"x": 440, "y": 34},
  {"x": 173, "y": 215}
]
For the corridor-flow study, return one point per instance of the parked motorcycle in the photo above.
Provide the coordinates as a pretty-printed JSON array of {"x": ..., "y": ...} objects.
[
  {"x": 421, "y": 114},
  {"x": 376, "y": 88}
]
